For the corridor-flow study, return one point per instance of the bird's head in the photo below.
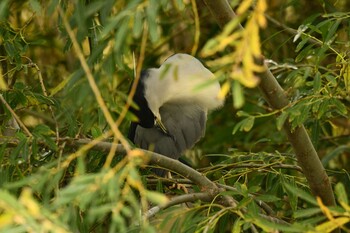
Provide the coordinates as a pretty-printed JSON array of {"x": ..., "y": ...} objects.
[{"x": 147, "y": 117}]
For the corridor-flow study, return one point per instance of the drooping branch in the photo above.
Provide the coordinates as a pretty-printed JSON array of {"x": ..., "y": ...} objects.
[{"x": 274, "y": 94}]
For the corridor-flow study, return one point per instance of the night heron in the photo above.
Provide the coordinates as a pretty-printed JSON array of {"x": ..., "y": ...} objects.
[{"x": 173, "y": 102}]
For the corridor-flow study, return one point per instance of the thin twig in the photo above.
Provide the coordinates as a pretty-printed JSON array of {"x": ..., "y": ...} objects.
[
  {"x": 43, "y": 88},
  {"x": 259, "y": 166},
  {"x": 289, "y": 30},
  {"x": 191, "y": 197},
  {"x": 21, "y": 124},
  {"x": 197, "y": 28}
]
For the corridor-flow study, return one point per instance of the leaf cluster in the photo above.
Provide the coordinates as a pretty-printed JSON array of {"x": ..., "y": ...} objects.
[{"x": 52, "y": 182}]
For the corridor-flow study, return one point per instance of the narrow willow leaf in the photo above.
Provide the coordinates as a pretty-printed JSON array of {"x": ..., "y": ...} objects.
[
  {"x": 332, "y": 224},
  {"x": 237, "y": 226},
  {"x": 306, "y": 213},
  {"x": 324, "y": 107},
  {"x": 261, "y": 7},
  {"x": 237, "y": 95},
  {"x": 151, "y": 14},
  {"x": 267, "y": 198},
  {"x": 341, "y": 194},
  {"x": 301, "y": 193},
  {"x": 3, "y": 84},
  {"x": 302, "y": 43},
  {"x": 156, "y": 198},
  {"x": 138, "y": 22},
  {"x": 224, "y": 90},
  {"x": 317, "y": 82},
  {"x": 248, "y": 124},
  {"x": 242, "y": 114},
  {"x": 281, "y": 119},
  {"x": 238, "y": 126},
  {"x": 243, "y": 7},
  {"x": 346, "y": 76},
  {"x": 331, "y": 30},
  {"x": 340, "y": 107},
  {"x": 121, "y": 34},
  {"x": 35, "y": 5},
  {"x": 304, "y": 53},
  {"x": 293, "y": 197},
  {"x": 4, "y": 8}
]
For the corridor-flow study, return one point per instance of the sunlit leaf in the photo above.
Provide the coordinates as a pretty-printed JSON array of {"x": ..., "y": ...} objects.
[
  {"x": 333, "y": 224},
  {"x": 243, "y": 7},
  {"x": 341, "y": 194},
  {"x": 237, "y": 94},
  {"x": 156, "y": 198}
]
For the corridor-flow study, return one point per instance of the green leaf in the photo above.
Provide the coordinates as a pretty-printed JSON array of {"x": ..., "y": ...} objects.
[
  {"x": 300, "y": 193},
  {"x": 151, "y": 16},
  {"x": 281, "y": 119},
  {"x": 331, "y": 30},
  {"x": 242, "y": 114},
  {"x": 267, "y": 198},
  {"x": 248, "y": 124},
  {"x": 237, "y": 95},
  {"x": 4, "y": 9},
  {"x": 156, "y": 198},
  {"x": 121, "y": 35},
  {"x": 317, "y": 82},
  {"x": 306, "y": 213},
  {"x": 237, "y": 226},
  {"x": 302, "y": 43},
  {"x": 305, "y": 52},
  {"x": 138, "y": 24},
  {"x": 36, "y": 6},
  {"x": 244, "y": 125},
  {"x": 332, "y": 224},
  {"x": 340, "y": 107},
  {"x": 341, "y": 194}
]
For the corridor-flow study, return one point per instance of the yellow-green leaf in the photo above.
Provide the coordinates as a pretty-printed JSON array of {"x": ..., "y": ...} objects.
[
  {"x": 156, "y": 198},
  {"x": 333, "y": 224}
]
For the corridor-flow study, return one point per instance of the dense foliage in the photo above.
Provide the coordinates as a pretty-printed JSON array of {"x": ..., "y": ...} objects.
[{"x": 66, "y": 71}]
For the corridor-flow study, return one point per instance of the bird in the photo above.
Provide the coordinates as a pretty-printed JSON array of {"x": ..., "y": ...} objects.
[{"x": 172, "y": 106}]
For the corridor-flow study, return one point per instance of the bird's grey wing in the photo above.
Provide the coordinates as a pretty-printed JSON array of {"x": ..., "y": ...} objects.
[
  {"x": 186, "y": 125},
  {"x": 155, "y": 140}
]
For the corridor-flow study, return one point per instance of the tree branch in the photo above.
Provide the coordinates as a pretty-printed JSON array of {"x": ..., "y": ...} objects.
[
  {"x": 191, "y": 197},
  {"x": 274, "y": 94}
]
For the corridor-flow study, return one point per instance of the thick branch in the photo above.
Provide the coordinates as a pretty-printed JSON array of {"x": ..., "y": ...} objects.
[
  {"x": 158, "y": 159},
  {"x": 275, "y": 96}
]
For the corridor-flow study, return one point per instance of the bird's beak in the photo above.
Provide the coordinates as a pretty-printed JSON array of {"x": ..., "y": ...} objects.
[{"x": 160, "y": 125}]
